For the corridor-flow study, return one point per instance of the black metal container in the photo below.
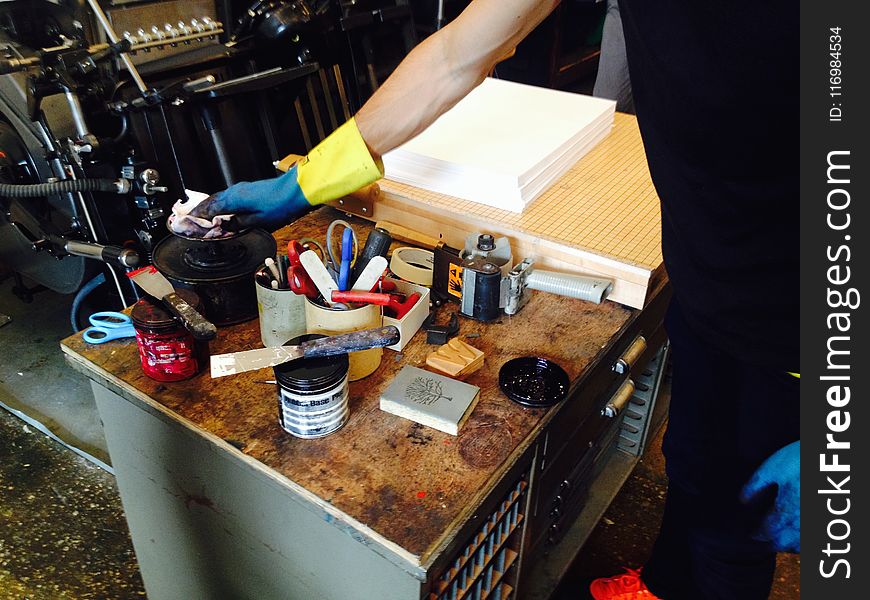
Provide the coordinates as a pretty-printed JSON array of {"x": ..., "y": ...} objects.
[{"x": 221, "y": 271}]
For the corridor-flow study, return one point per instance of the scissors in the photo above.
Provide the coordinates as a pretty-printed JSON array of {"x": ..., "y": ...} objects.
[
  {"x": 298, "y": 278},
  {"x": 108, "y": 325},
  {"x": 344, "y": 260}
]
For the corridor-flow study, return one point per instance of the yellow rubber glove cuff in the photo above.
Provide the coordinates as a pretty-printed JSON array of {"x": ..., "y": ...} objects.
[
  {"x": 798, "y": 375},
  {"x": 337, "y": 166}
]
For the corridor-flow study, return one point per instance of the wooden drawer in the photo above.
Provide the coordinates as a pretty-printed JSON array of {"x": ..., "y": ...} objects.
[
  {"x": 558, "y": 510},
  {"x": 559, "y": 485},
  {"x": 584, "y": 403},
  {"x": 576, "y": 500},
  {"x": 552, "y": 481}
]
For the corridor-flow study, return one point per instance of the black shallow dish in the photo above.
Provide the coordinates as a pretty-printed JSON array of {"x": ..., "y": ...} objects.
[{"x": 533, "y": 382}]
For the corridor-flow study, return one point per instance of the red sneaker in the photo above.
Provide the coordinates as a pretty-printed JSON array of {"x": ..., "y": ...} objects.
[{"x": 628, "y": 586}]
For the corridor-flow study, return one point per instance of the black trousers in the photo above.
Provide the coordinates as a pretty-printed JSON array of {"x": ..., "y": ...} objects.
[{"x": 726, "y": 417}]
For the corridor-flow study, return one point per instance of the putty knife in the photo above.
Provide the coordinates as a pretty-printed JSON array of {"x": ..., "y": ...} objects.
[
  {"x": 318, "y": 274},
  {"x": 370, "y": 275},
  {"x": 249, "y": 360},
  {"x": 153, "y": 282}
]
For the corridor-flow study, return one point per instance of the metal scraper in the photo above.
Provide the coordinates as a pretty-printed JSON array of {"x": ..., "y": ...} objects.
[
  {"x": 153, "y": 282},
  {"x": 249, "y": 360}
]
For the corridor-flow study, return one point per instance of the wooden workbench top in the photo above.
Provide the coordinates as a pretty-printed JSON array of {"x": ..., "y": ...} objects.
[{"x": 407, "y": 484}]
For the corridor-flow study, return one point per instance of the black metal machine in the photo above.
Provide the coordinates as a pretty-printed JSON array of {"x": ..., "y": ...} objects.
[
  {"x": 111, "y": 109},
  {"x": 103, "y": 127}
]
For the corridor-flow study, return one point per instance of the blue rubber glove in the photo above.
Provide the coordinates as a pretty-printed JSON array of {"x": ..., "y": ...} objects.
[
  {"x": 267, "y": 203},
  {"x": 781, "y": 471},
  {"x": 337, "y": 166}
]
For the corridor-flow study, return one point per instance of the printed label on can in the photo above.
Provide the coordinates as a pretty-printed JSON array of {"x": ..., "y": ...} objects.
[
  {"x": 175, "y": 356},
  {"x": 313, "y": 415},
  {"x": 312, "y": 404},
  {"x": 313, "y": 428}
]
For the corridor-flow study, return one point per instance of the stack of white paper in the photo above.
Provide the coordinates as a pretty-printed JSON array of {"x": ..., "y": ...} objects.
[{"x": 503, "y": 144}]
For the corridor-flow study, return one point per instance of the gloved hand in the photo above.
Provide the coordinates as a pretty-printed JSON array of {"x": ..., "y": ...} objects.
[
  {"x": 339, "y": 165},
  {"x": 781, "y": 471}
]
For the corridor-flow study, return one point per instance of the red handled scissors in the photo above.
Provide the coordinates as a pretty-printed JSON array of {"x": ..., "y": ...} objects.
[{"x": 297, "y": 276}]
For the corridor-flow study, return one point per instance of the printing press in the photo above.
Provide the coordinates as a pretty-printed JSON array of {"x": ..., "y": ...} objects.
[{"x": 112, "y": 109}]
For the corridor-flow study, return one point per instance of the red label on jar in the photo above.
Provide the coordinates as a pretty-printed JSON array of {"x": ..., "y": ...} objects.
[{"x": 168, "y": 356}]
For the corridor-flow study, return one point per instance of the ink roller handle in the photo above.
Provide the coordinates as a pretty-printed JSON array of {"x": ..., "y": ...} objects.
[
  {"x": 351, "y": 342},
  {"x": 377, "y": 244}
]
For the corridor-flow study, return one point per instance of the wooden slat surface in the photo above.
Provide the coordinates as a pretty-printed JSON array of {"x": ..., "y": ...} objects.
[{"x": 408, "y": 483}]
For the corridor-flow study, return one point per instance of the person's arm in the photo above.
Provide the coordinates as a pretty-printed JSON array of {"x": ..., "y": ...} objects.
[
  {"x": 444, "y": 68},
  {"x": 432, "y": 78}
]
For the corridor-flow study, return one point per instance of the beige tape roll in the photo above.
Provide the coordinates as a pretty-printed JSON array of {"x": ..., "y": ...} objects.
[
  {"x": 414, "y": 265},
  {"x": 331, "y": 321}
]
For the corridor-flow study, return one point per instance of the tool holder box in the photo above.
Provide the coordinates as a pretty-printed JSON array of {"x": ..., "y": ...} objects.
[{"x": 411, "y": 322}]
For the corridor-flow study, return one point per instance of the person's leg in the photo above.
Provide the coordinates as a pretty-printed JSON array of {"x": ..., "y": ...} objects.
[
  {"x": 725, "y": 418},
  {"x": 612, "y": 81}
]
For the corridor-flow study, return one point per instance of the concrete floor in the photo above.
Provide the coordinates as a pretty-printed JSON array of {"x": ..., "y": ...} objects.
[
  {"x": 34, "y": 378},
  {"x": 625, "y": 535},
  {"x": 62, "y": 530}
]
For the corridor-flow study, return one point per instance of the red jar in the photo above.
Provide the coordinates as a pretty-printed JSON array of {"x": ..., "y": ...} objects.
[{"x": 168, "y": 351}]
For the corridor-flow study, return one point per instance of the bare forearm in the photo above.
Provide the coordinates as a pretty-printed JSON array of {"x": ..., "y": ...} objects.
[
  {"x": 419, "y": 90},
  {"x": 444, "y": 68}
]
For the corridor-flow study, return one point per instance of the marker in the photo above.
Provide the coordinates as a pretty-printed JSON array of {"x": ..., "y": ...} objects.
[{"x": 346, "y": 258}]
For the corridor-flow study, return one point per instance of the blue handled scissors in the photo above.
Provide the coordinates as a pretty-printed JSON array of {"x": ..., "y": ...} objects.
[
  {"x": 342, "y": 261},
  {"x": 347, "y": 256},
  {"x": 108, "y": 325}
]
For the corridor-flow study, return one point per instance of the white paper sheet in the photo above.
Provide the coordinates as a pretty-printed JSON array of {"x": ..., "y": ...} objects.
[{"x": 503, "y": 144}]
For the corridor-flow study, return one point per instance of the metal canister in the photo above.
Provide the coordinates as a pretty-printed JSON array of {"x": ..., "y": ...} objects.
[
  {"x": 312, "y": 393},
  {"x": 220, "y": 271},
  {"x": 167, "y": 350}
]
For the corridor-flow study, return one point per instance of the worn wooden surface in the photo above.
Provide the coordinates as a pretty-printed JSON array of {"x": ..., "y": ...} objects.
[{"x": 408, "y": 483}]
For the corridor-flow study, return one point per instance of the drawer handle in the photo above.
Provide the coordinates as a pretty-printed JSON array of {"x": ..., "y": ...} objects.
[
  {"x": 631, "y": 354},
  {"x": 619, "y": 400}
]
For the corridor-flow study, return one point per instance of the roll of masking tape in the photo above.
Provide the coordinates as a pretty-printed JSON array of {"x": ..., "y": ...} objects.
[{"x": 414, "y": 265}]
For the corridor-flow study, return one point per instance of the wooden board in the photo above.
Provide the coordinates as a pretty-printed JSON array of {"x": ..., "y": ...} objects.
[
  {"x": 405, "y": 486},
  {"x": 602, "y": 217}
]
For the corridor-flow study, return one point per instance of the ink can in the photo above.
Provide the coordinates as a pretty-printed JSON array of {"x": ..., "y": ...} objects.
[
  {"x": 167, "y": 350},
  {"x": 312, "y": 393}
]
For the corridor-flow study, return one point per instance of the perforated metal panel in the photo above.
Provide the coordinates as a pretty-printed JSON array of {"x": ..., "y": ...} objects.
[{"x": 636, "y": 417}]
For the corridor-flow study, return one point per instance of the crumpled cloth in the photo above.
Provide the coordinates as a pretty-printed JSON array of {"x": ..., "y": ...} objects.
[{"x": 183, "y": 223}]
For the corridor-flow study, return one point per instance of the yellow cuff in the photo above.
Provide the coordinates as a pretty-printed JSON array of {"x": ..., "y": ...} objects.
[
  {"x": 337, "y": 166},
  {"x": 798, "y": 375}
]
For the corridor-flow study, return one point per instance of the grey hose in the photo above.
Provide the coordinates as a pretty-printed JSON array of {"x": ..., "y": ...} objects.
[
  {"x": 83, "y": 293},
  {"x": 37, "y": 190}
]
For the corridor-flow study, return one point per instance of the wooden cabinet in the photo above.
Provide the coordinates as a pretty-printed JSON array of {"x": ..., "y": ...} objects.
[{"x": 222, "y": 503}]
